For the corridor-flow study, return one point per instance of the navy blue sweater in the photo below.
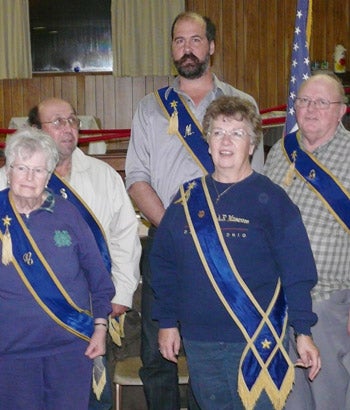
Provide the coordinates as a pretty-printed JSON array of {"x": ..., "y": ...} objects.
[
  {"x": 69, "y": 247},
  {"x": 265, "y": 235}
]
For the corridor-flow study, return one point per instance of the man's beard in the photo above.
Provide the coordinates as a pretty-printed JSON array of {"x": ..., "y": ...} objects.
[{"x": 194, "y": 69}]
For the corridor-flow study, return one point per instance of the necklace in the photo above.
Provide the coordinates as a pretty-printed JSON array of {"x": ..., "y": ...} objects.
[{"x": 219, "y": 195}]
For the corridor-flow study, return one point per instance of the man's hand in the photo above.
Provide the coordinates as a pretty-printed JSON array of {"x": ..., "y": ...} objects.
[
  {"x": 169, "y": 343},
  {"x": 118, "y": 310},
  {"x": 309, "y": 355}
]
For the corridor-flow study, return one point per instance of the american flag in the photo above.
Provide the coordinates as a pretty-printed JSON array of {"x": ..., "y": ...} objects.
[{"x": 300, "y": 65}]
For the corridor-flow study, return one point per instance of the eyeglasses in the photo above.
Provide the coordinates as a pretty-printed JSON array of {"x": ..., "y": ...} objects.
[
  {"x": 37, "y": 172},
  {"x": 74, "y": 122},
  {"x": 320, "y": 103},
  {"x": 218, "y": 134}
]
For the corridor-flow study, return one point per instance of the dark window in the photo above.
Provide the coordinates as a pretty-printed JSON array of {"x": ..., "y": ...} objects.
[{"x": 71, "y": 35}]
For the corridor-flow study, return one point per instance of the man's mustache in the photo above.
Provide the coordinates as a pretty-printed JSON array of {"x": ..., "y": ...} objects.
[{"x": 186, "y": 57}]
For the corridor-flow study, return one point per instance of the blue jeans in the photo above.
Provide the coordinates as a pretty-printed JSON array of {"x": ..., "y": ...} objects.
[
  {"x": 106, "y": 399},
  {"x": 158, "y": 375},
  {"x": 213, "y": 368}
]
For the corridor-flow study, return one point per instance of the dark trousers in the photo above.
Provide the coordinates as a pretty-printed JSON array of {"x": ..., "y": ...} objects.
[{"x": 159, "y": 376}]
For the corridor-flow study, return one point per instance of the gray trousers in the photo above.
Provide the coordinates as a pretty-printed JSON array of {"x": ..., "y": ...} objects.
[{"x": 331, "y": 388}]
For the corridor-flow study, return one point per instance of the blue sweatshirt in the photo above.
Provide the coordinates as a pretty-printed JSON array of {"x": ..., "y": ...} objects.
[
  {"x": 264, "y": 234},
  {"x": 70, "y": 249}
]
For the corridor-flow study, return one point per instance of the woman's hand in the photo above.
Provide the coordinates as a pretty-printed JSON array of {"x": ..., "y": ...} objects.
[
  {"x": 309, "y": 355},
  {"x": 97, "y": 345},
  {"x": 169, "y": 343}
]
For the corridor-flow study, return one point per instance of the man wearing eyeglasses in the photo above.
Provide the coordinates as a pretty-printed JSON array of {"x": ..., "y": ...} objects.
[
  {"x": 103, "y": 196},
  {"x": 313, "y": 166}
]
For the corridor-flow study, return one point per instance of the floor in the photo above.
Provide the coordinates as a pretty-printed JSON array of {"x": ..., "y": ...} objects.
[{"x": 134, "y": 399}]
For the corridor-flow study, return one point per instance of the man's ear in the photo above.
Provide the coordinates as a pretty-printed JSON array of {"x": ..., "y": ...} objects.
[{"x": 211, "y": 47}]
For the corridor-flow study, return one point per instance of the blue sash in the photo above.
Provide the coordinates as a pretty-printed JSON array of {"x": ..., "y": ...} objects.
[
  {"x": 39, "y": 278},
  {"x": 189, "y": 131},
  {"x": 265, "y": 363},
  {"x": 326, "y": 186},
  {"x": 61, "y": 187}
]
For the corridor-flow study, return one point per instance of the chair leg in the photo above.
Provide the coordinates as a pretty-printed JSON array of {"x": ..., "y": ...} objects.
[{"x": 118, "y": 398}]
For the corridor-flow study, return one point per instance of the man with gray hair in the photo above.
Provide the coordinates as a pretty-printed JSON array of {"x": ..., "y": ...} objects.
[{"x": 312, "y": 165}]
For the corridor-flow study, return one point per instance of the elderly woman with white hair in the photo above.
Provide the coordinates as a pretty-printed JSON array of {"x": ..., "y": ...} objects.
[{"x": 55, "y": 291}]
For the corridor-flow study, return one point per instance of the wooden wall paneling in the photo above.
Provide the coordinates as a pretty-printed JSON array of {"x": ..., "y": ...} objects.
[
  {"x": 270, "y": 59},
  {"x": 341, "y": 18},
  {"x": 229, "y": 39},
  {"x": 160, "y": 82},
  {"x": 90, "y": 96},
  {"x": 288, "y": 25},
  {"x": 251, "y": 56},
  {"x": 69, "y": 89},
  {"x": 214, "y": 11},
  {"x": 80, "y": 93},
  {"x": 123, "y": 99},
  {"x": 198, "y": 6},
  {"x": 99, "y": 99},
  {"x": 282, "y": 66},
  {"x": 2, "y": 104},
  {"x": 8, "y": 109},
  {"x": 57, "y": 88},
  {"x": 264, "y": 37},
  {"x": 138, "y": 91},
  {"x": 16, "y": 98},
  {"x": 318, "y": 41},
  {"x": 326, "y": 30},
  {"x": 31, "y": 94},
  {"x": 149, "y": 84},
  {"x": 45, "y": 86},
  {"x": 109, "y": 102},
  {"x": 239, "y": 33}
]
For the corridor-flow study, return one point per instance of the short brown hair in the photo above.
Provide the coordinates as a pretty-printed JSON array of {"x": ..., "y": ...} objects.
[{"x": 234, "y": 107}]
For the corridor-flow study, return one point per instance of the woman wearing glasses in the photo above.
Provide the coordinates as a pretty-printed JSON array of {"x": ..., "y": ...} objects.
[
  {"x": 55, "y": 291},
  {"x": 224, "y": 273}
]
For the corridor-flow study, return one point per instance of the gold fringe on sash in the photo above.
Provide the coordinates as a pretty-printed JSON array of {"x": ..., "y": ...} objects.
[
  {"x": 173, "y": 123},
  {"x": 98, "y": 377},
  {"x": 7, "y": 254},
  {"x": 277, "y": 396},
  {"x": 287, "y": 180},
  {"x": 116, "y": 329}
]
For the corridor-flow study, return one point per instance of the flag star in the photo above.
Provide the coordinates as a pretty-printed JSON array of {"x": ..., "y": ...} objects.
[
  {"x": 292, "y": 95},
  {"x": 266, "y": 344},
  {"x": 300, "y": 61}
]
